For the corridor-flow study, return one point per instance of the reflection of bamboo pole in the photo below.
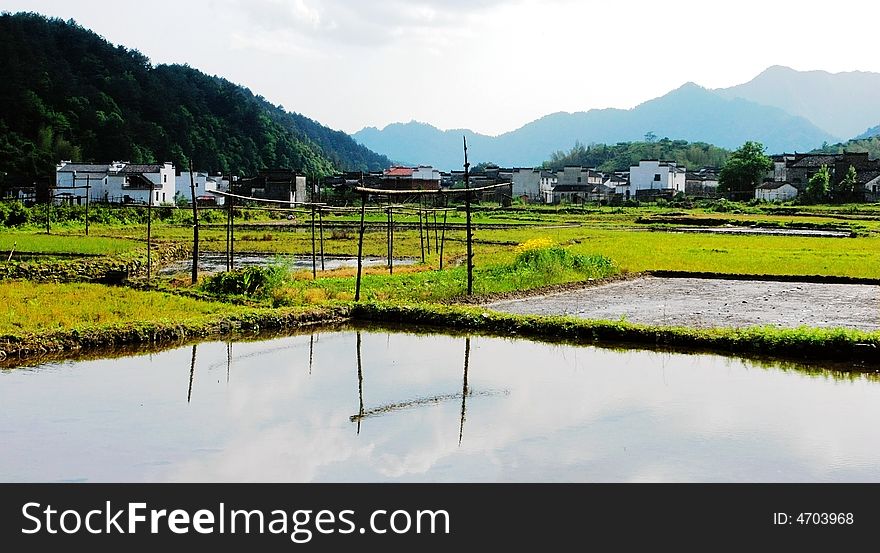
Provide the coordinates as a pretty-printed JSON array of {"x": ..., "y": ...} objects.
[
  {"x": 360, "y": 384},
  {"x": 228, "y": 360},
  {"x": 464, "y": 387},
  {"x": 192, "y": 372},
  {"x": 311, "y": 351}
]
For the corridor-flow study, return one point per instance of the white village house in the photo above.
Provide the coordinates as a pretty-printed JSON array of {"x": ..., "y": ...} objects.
[
  {"x": 548, "y": 183},
  {"x": 775, "y": 192},
  {"x": 651, "y": 177},
  {"x": 204, "y": 185},
  {"x": 117, "y": 182},
  {"x": 526, "y": 183}
]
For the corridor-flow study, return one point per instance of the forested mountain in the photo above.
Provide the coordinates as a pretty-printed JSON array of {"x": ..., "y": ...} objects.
[
  {"x": 688, "y": 113},
  {"x": 623, "y": 155},
  {"x": 66, "y": 93},
  {"x": 870, "y": 145}
]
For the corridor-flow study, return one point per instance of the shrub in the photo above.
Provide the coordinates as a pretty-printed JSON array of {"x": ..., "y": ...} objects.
[
  {"x": 555, "y": 259},
  {"x": 254, "y": 281}
]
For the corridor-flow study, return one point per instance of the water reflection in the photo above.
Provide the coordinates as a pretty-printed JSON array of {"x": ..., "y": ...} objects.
[{"x": 533, "y": 411}]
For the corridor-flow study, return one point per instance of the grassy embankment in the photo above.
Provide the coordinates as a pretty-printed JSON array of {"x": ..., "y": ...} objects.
[{"x": 47, "y": 317}]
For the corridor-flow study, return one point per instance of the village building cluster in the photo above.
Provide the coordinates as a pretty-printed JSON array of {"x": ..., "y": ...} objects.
[{"x": 162, "y": 184}]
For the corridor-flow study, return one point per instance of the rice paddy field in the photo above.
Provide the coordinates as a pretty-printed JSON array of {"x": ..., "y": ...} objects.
[{"x": 575, "y": 245}]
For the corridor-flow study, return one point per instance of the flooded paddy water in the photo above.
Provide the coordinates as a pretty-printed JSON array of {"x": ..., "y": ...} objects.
[
  {"x": 372, "y": 404},
  {"x": 212, "y": 262},
  {"x": 706, "y": 303}
]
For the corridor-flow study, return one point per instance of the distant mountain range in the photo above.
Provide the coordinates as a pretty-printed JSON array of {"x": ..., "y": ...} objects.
[
  {"x": 786, "y": 110},
  {"x": 873, "y": 131},
  {"x": 843, "y": 104}
]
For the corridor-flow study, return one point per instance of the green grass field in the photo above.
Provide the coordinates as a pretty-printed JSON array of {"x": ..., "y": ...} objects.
[
  {"x": 36, "y": 242},
  {"x": 35, "y": 307}
]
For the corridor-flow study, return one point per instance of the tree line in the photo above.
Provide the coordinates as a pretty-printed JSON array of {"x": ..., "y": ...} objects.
[{"x": 623, "y": 155}]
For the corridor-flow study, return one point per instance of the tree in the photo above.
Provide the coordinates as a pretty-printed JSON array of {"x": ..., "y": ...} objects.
[
  {"x": 818, "y": 187},
  {"x": 845, "y": 190},
  {"x": 745, "y": 168}
]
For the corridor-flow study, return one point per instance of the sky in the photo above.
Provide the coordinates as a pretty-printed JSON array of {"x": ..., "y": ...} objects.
[{"x": 487, "y": 65}]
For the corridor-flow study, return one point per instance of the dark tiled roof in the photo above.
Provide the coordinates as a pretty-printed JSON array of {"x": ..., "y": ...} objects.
[
  {"x": 132, "y": 168},
  {"x": 773, "y": 185},
  {"x": 867, "y": 176},
  {"x": 572, "y": 188},
  {"x": 85, "y": 167},
  {"x": 815, "y": 160}
]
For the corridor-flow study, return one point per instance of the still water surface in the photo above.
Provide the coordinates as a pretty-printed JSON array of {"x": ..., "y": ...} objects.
[{"x": 302, "y": 408}]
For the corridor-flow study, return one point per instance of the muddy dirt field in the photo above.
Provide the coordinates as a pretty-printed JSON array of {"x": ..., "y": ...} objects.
[{"x": 699, "y": 302}]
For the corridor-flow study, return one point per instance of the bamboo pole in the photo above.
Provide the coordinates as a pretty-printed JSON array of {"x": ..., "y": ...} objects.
[
  {"x": 357, "y": 290},
  {"x": 228, "y": 206},
  {"x": 88, "y": 189},
  {"x": 391, "y": 241},
  {"x": 468, "y": 226},
  {"x": 443, "y": 233},
  {"x": 321, "y": 230},
  {"x": 421, "y": 235},
  {"x": 435, "y": 230},
  {"x": 195, "y": 254},
  {"x": 314, "y": 260},
  {"x": 150, "y": 234},
  {"x": 232, "y": 234}
]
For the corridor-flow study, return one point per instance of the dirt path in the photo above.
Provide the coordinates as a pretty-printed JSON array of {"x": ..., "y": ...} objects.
[{"x": 705, "y": 303}]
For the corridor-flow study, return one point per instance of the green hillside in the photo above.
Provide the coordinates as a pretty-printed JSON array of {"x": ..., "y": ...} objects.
[{"x": 66, "y": 93}]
